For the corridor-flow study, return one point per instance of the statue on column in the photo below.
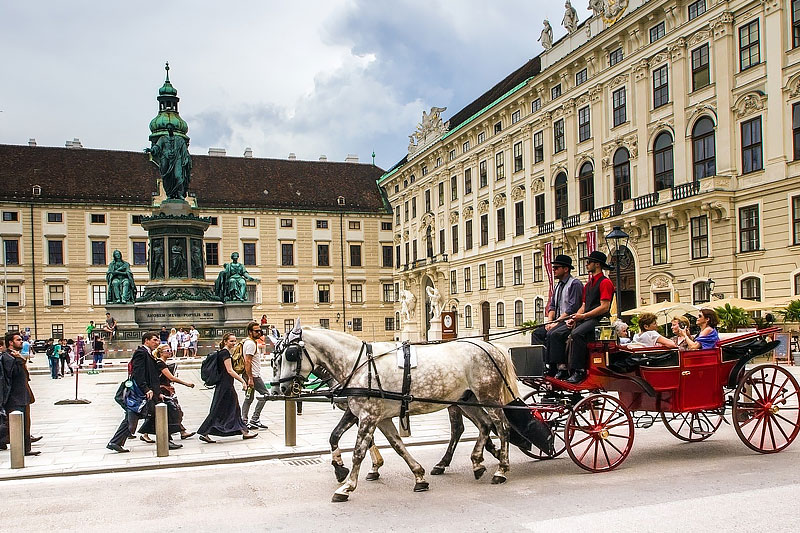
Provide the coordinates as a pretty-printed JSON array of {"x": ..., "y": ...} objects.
[
  {"x": 121, "y": 288},
  {"x": 435, "y": 299},
  {"x": 170, "y": 154},
  {"x": 570, "y": 21},
  {"x": 231, "y": 284},
  {"x": 546, "y": 37}
]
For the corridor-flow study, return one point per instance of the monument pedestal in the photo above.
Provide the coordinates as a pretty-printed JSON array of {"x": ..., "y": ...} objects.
[
  {"x": 410, "y": 331},
  {"x": 435, "y": 331}
]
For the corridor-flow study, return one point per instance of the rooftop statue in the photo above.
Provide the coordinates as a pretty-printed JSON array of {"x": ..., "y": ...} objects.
[
  {"x": 597, "y": 7},
  {"x": 231, "y": 284},
  {"x": 546, "y": 37},
  {"x": 430, "y": 129},
  {"x": 570, "y": 20},
  {"x": 121, "y": 288},
  {"x": 170, "y": 154}
]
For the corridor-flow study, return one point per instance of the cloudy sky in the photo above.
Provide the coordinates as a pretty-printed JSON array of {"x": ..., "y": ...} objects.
[{"x": 312, "y": 77}]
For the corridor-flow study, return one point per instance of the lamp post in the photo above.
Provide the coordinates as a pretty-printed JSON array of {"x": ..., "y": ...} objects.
[
  {"x": 620, "y": 240},
  {"x": 710, "y": 288}
]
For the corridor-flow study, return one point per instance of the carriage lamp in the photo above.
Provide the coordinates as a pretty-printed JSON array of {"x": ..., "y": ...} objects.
[{"x": 620, "y": 241}]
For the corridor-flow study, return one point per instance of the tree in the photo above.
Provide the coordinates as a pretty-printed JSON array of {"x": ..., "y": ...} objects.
[{"x": 731, "y": 318}]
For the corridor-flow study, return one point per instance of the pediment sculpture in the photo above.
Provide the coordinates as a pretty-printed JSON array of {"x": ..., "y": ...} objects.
[{"x": 430, "y": 129}]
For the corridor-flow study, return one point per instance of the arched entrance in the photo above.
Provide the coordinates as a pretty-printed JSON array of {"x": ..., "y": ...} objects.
[
  {"x": 485, "y": 315},
  {"x": 425, "y": 284},
  {"x": 627, "y": 279}
]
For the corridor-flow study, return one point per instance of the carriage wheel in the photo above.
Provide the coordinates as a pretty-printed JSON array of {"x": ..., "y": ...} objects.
[
  {"x": 765, "y": 409},
  {"x": 599, "y": 433},
  {"x": 693, "y": 427},
  {"x": 556, "y": 422}
]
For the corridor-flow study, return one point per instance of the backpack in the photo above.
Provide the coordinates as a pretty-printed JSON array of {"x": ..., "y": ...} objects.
[
  {"x": 209, "y": 370},
  {"x": 237, "y": 358},
  {"x": 50, "y": 351}
]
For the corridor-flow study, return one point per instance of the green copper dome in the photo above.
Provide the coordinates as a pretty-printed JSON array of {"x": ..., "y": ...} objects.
[{"x": 168, "y": 112}]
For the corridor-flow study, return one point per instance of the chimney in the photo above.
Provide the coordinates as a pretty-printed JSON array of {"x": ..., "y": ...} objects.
[
  {"x": 323, "y": 157},
  {"x": 292, "y": 156},
  {"x": 351, "y": 158},
  {"x": 74, "y": 143},
  {"x": 216, "y": 152},
  {"x": 31, "y": 142},
  {"x": 248, "y": 152}
]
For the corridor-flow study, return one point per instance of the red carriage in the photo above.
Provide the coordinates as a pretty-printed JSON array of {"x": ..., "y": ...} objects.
[{"x": 690, "y": 391}]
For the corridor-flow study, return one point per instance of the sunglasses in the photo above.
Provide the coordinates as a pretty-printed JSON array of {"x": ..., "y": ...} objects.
[{"x": 257, "y": 331}]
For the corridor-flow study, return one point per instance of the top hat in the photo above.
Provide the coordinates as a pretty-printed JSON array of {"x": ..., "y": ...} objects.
[
  {"x": 563, "y": 260},
  {"x": 599, "y": 257}
]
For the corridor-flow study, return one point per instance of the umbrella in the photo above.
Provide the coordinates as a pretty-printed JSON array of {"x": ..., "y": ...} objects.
[
  {"x": 665, "y": 311},
  {"x": 747, "y": 305},
  {"x": 778, "y": 303}
]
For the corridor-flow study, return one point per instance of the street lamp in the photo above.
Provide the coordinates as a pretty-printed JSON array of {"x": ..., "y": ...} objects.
[
  {"x": 620, "y": 240},
  {"x": 710, "y": 283}
]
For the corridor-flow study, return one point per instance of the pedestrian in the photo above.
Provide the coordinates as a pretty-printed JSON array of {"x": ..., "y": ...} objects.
[
  {"x": 110, "y": 326},
  {"x": 80, "y": 351},
  {"x": 90, "y": 329},
  {"x": 54, "y": 356},
  {"x": 15, "y": 391},
  {"x": 163, "y": 335},
  {"x": 67, "y": 349},
  {"x": 264, "y": 321},
  {"x": 143, "y": 372},
  {"x": 98, "y": 350},
  {"x": 26, "y": 350},
  {"x": 252, "y": 370},
  {"x": 174, "y": 411},
  {"x": 225, "y": 417},
  {"x": 194, "y": 336},
  {"x": 172, "y": 340}
]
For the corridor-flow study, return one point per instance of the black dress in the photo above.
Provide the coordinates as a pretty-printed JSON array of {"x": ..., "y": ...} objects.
[
  {"x": 225, "y": 416},
  {"x": 174, "y": 411}
]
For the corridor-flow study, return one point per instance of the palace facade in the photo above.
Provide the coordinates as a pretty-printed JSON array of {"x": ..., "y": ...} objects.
[{"x": 676, "y": 120}]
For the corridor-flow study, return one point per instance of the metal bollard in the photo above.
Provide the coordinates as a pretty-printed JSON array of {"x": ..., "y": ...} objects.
[
  {"x": 290, "y": 423},
  {"x": 162, "y": 431},
  {"x": 16, "y": 434}
]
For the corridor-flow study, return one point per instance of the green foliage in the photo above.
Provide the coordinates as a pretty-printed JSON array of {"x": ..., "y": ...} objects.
[
  {"x": 792, "y": 312},
  {"x": 731, "y": 318},
  {"x": 633, "y": 327},
  {"x": 529, "y": 324}
]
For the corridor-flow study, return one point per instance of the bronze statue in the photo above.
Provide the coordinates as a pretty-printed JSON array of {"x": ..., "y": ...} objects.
[
  {"x": 231, "y": 284},
  {"x": 121, "y": 288},
  {"x": 198, "y": 268},
  {"x": 157, "y": 259},
  {"x": 170, "y": 154},
  {"x": 177, "y": 258}
]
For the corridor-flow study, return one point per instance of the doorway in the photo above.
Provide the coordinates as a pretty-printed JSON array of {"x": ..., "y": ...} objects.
[{"x": 627, "y": 279}]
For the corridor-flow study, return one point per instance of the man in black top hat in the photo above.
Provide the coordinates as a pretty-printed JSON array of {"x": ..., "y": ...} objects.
[
  {"x": 566, "y": 299},
  {"x": 598, "y": 293}
]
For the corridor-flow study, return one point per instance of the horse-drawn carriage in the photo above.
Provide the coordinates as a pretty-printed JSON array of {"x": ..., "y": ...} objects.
[{"x": 690, "y": 391}]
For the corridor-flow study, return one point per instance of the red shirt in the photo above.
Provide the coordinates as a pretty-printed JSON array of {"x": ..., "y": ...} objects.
[{"x": 606, "y": 287}]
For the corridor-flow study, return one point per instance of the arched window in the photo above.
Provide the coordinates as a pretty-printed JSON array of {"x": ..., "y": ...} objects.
[
  {"x": 538, "y": 310},
  {"x": 700, "y": 293},
  {"x": 586, "y": 186},
  {"x": 562, "y": 196},
  {"x": 703, "y": 151},
  {"x": 751, "y": 288},
  {"x": 397, "y": 321},
  {"x": 518, "y": 313},
  {"x": 468, "y": 316},
  {"x": 501, "y": 315},
  {"x": 622, "y": 175},
  {"x": 429, "y": 241},
  {"x": 662, "y": 161},
  {"x": 797, "y": 283}
]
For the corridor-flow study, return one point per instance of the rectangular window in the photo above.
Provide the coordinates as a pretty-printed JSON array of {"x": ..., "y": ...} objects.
[
  {"x": 386, "y": 254},
  {"x": 501, "y": 224},
  {"x": 515, "y": 116},
  {"x": 751, "y": 146},
  {"x": 468, "y": 181},
  {"x": 285, "y": 223},
  {"x": 657, "y": 32},
  {"x": 559, "y": 142},
  {"x": 518, "y": 313},
  {"x": 438, "y": 163},
  {"x": 749, "y": 240},
  {"x": 356, "y": 293},
  {"x": 701, "y": 71},
  {"x": 660, "y": 86},
  {"x": 214, "y": 221},
  {"x": 388, "y": 323},
  {"x": 56, "y": 295},
  {"x": 11, "y": 216},
  {"x": 796, "y": 220},
  {"x": 323, "y": 255},
  {"x": 322, "y": 224},
  {"x": 537, "y": 267},
  {"x": 618, "y": 105},
  {"x": 287, "y": 254},
  {"x": 398, "y": 262},
  {"x": 99, "y": 253},
  {"x": 406, "y": 211},
  {"x": 324, "y": 293},
  {"x": 468, "y": 317},
  {"x": 538, "y": 146},
  {"x": 481, "y": 137},
  {"x": 482, "y": 277},
  {"x": 467, "y": 279},
  {"x": 536, "y": 105},
  {"x": 749, "y": 54},
  {"x": 355, "y": 255},
  {"x": 12, "y": 296},
  {"x": 325, "y": 323},
  {"x": 483, "y": 177},
  {"x": 386, "y": 226},
  {"x": 451, "y": 155},
  {"x": 615, "y": 57},
  {"x": 699, "y": 236},
  {"x": 555, "y": 91},
  {"x": 660, "y": 244},
  {"x": 454, "y": 238},
  {"x": 453, "y": 188},
  {"x": 500, "y": 171},
  {"x": 249, "y": 222},
  {"x": 59, "y": 217},
  {"x": 453, "y": 282},
  {"x": 498, "y": 127},
  {"x": 388, "y": 293},
  {"x": 287, "y": 291},
  {"x": 795, "y": 23},
  {"x": 519, "y": 218},
  {"x": 796, "y": 131},
  {"x": 517, "y": 156},
  {"x": 468, "y": 235},
  {"x": 249, "y": 249},
  {"x": 397, "y": 215},
  {"x": 98, "y": 295},
  {"x": 518, "y": 270},
  {"x": 356, "y": 224},
  {"x": 11, "y": 255},
  {"x": 697, "y": 8},
  {"x": 98, "y": 218},
  {"x": 288, "y": 325},
  {"x": 498, "y": 274},
  {"x": 212, "y": 253},
  {"x": 424, "y": 173},
  {"x": 581, "y": 76},
  {"x": 584, "y": 124},
  {"x": 55, "y": 252},
  {"x": 582, "y": 253},
  {"x": 428, "y": 198},
  {"x": 501, "y": 315},
  {"x": 538, "y": 209},
  {"x": 465, "y": 147},
  {"x": 414, "y": 207},
  {"x": 358, "y": 324},
  {"x": 484, "y": 230},
  {"x": 139, "y": 253},
  {"x": 441, "y": 242}
]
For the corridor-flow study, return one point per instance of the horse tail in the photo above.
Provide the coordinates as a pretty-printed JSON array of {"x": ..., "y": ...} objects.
[{"x": 511, "y": 391}]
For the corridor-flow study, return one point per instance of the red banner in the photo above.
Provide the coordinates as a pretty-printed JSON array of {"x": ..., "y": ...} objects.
[
  {"x": 591, "y": 241},
  {"x": 548, "y": 266}
]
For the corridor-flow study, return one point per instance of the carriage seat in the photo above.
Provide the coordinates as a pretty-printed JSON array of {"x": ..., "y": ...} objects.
[{"x": 630, "y": 358}]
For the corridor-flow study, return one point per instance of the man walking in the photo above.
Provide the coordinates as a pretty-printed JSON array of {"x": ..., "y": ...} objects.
[
  {"x": 144, "y": 372},
  {"x": 252, "y": 369},
  {"x": 565, "y": 301},
  {"x": 15, "y": 393}
]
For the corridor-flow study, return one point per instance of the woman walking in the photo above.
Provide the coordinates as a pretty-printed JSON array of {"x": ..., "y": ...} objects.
[
  {"x": 174, "y": 411},
  {"x": 225, "y": 417}
]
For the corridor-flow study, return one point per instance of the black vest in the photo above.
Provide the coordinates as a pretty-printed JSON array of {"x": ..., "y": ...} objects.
[{"x": 592, "y": 299}]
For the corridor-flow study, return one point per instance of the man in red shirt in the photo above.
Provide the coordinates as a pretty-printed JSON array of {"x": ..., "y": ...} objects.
[{"x": 597, "y": 296}]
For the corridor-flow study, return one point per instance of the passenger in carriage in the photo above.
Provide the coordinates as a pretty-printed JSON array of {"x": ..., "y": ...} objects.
[
  {"x": 567, "y": 298},
  {"x": 650, "y": 336},
  {"x": 708, "y": 336},
  {"x": 597, "y": 296},
  {"x": 680, "y": 323},
  {"x": 623, "y": 335}
]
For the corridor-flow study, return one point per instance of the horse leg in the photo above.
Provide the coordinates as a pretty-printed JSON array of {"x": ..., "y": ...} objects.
[
  {"x": 366, "y": 428},
  {"x": 347, "y": 421},
  {"x": 456, "y": 430},
  {"x": 499, "y": 419},
  {"x": 390, "y": 432},
  {"x": 482, "y": 421},
  {"x": 477, "y": 452},
  {"x": 377, "y": 462}
]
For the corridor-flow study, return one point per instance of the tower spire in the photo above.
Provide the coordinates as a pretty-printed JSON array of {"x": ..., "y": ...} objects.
[{"x": 167, "y": 69}]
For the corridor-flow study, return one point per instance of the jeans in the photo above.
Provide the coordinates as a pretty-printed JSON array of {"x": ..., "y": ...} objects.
[
  {"x": 53, "y": 367},
  {"x": 258, "y": 386},
  {"x": 97, "y": 359}
]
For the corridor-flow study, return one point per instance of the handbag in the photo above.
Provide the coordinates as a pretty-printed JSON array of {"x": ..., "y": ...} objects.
[{"x": 135, "y": 399}]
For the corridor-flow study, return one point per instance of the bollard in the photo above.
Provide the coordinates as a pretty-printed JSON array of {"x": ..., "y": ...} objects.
[
  {"x": 162, "y": 431},
  {"x": 16, "y": 434},
  {"x": 290, "y": 423},
  {"x": 405, "y": 426}
]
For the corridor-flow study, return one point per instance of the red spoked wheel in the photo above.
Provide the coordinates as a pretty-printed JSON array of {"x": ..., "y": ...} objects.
[
  {"x": 766, "y": 413},
  {"x": 555, "y": 418},
  {"x": 599, "y": 433},
  {"x": 693, "y": 427}
]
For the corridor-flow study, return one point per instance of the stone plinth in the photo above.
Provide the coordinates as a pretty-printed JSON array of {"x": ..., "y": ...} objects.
[
  {"x": 410, "y": 331},
  {"x": 435, "y": 331}
]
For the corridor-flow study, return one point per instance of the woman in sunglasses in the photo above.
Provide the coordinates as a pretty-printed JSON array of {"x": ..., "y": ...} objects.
[
  {"x": 708, "y": 337},
  {"x": 174, "y": 412}
]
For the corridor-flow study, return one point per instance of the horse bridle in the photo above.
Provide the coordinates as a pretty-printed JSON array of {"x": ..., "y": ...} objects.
[{"x": 293, "y": 351}]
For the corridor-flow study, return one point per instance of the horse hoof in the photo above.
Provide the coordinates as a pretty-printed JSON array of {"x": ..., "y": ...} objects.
[
  {"x": 437, "y": 470},
  {"x": 338, "y": 498},
  {"x": 496, "y": 480},
  {"x": 372, "y": 476},
  {"x": 479, "y": 472},
  {"x": 422, "y": 486},
  {"x": 341, "y": 472}
]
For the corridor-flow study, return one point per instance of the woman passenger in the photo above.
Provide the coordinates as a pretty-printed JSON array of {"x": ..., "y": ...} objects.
[
  {"x": 650, "y": 336},
  {"x": 708, "y": 336},
  {"x": 680, "y": 323}
]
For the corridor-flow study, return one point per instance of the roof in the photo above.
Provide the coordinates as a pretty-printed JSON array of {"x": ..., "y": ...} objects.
[{"x": 70, "y": 175}]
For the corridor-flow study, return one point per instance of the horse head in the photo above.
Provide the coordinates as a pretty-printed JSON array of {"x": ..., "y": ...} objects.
[{"x": 291, "y": 363}]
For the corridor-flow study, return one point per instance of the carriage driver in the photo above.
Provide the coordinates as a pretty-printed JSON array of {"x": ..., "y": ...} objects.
[
  {"x": 566, "y": 299},
  {"x": 597, "y": 296}
]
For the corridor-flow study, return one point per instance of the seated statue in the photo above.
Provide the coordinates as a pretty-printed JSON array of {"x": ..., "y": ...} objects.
[
  {"x": 231, "y": 283},
  {"x": 121, "y": 287}
]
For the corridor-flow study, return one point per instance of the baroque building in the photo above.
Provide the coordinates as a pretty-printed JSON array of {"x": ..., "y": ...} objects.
[{"x": 677, "y": 120}]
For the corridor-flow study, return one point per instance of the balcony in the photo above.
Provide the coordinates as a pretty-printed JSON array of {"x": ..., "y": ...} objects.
[
  {"x": 547, "y": 227},
  {"x": 608, "y": 211},
  {"x": 648, "y": 200},
  {"x": 571, "y": 221},
  {"x": 685, "y": 190},
  {"x": 419, "y": 263}
]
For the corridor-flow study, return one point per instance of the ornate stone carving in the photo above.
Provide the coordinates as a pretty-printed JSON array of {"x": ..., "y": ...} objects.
[
  {"x": 397, "y": 239},
  {"x": 499, "y": 200},
  {"x": 595, "y": 92},
  {"x": 722, "y": 25},
  {"x": 698, "y": 37},
  {"x": 619, "y": 80},
  {"x": 629, "y": 142},
  {"x": 570, "y": 20},
  {"x": 467, "y": 212},
  {"x": 677, "y": 49},
  {"x": 154, "y": 294},
  {"x": 483, "y": 207},
  {"x": 771, "y": 5},
  {"x": 518, "y": 193},
  {"x": 660, "y": 282},
  {"x": 609, "y": 10},
  {"x": 429, "y": 130},
  {"x": 454, "y": 217},
  {"x": 537, "y": 185},
  {"x": 640, "y": 70},
  {"x": 750, "y": 103},
  {"x": 405, "y": 235},
  {"x": 634, "y": 38},
  {"x": 793, "y": 86},
  {"x": 428, "y": 220},
  {"x": 546, "y": 37}
]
